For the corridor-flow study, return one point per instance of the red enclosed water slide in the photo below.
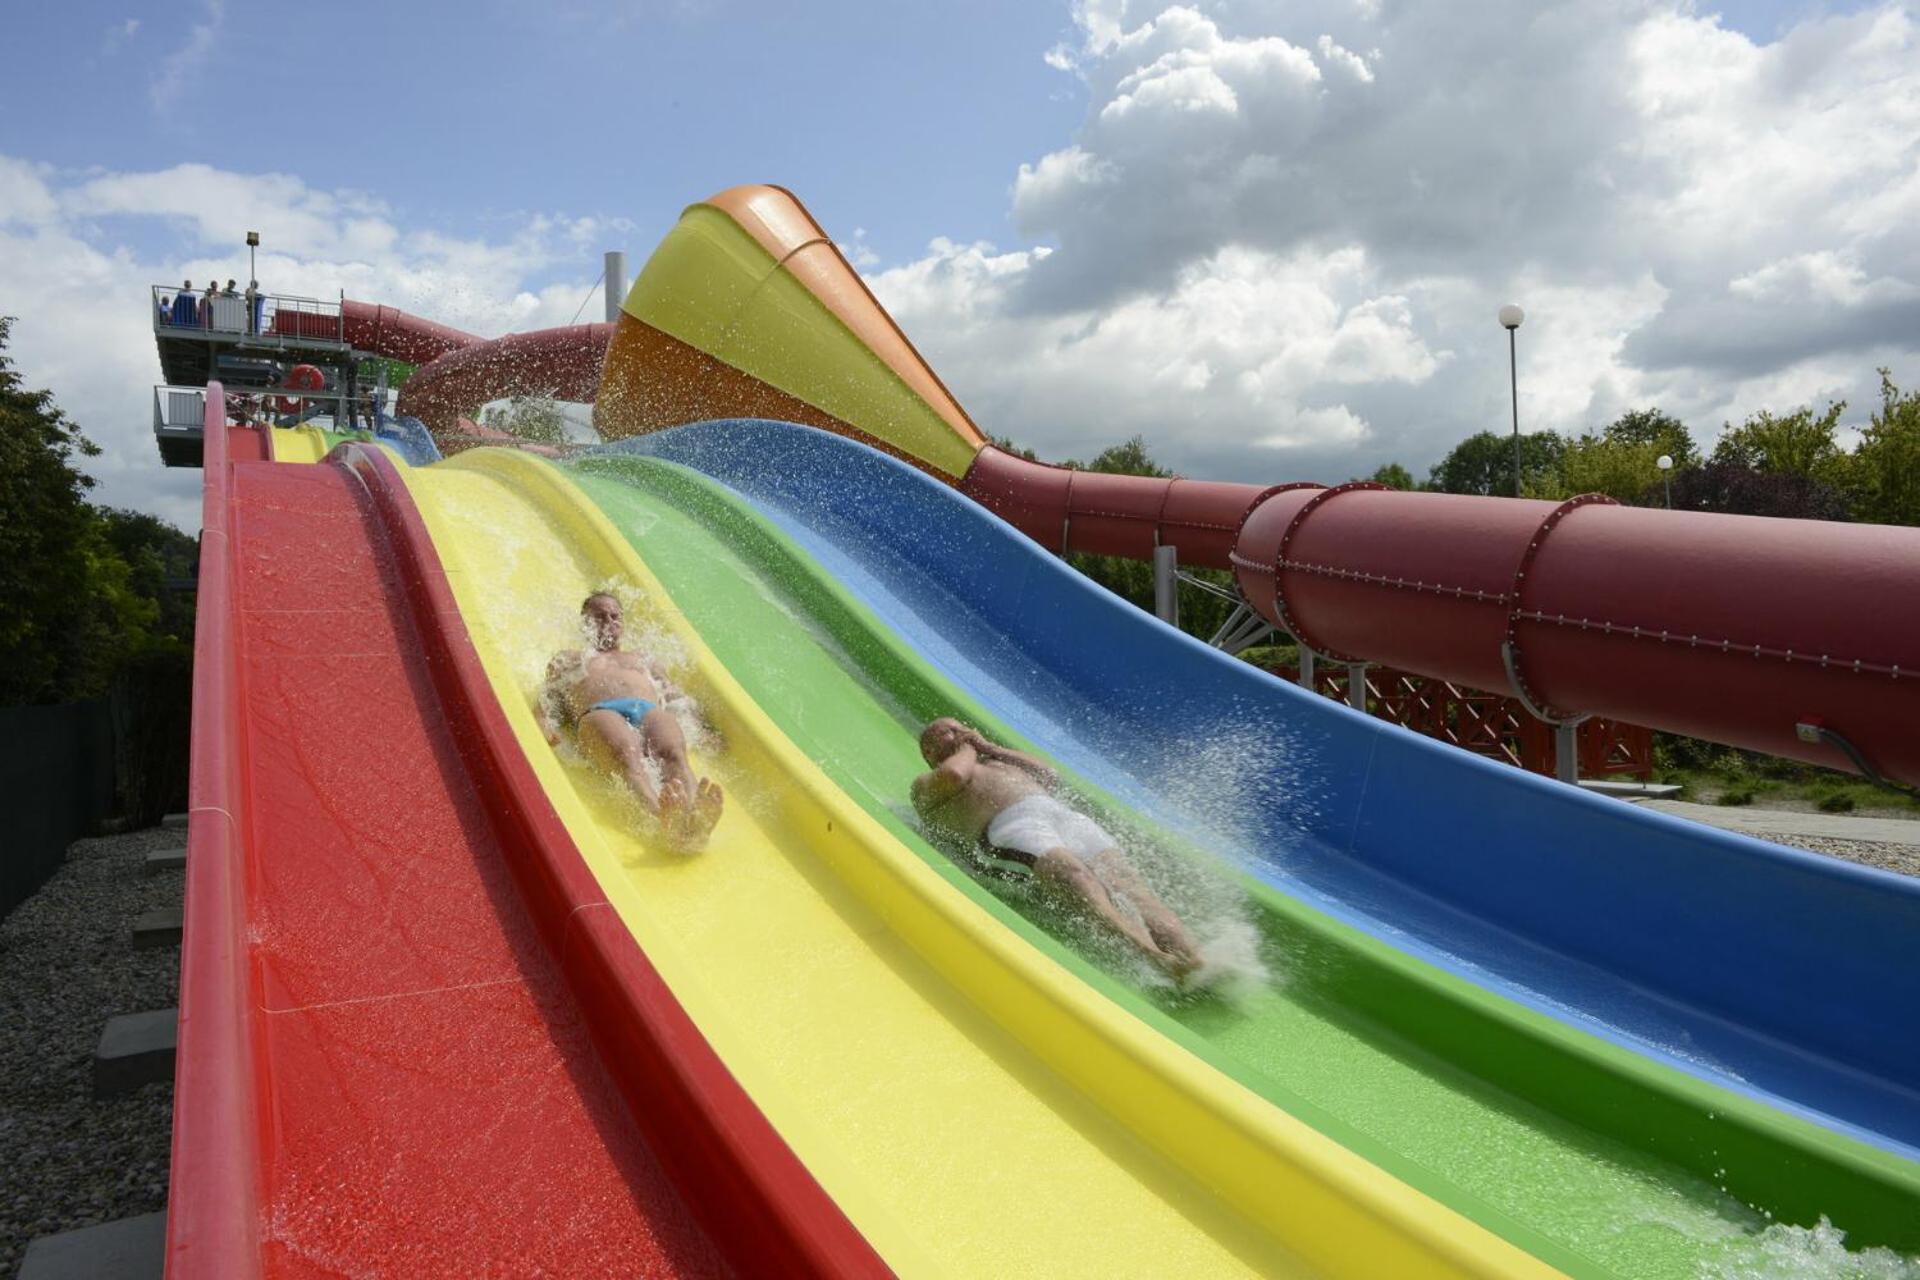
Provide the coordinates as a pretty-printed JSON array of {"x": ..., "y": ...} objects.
[{"x": 1799, "y": 638}]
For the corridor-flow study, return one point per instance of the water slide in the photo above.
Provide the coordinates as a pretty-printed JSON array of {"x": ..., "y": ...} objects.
[{"x": 1458, "y": 1020}]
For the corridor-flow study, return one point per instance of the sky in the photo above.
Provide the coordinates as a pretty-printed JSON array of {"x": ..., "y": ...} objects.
[{"x": 1269, "y": 236}]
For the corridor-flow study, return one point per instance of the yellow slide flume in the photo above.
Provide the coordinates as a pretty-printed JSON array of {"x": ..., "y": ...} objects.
[{"x": 971, "y": 1107}]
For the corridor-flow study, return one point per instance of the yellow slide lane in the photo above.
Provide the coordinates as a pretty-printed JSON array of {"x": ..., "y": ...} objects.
[
  {"x": 299, "y": 444},
  {"x": 891, "y": 1031}
]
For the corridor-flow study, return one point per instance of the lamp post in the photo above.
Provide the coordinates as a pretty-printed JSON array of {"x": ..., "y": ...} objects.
[
  {"x": 1510, "y": 318},
  {"x": 1665, "y": 463}
]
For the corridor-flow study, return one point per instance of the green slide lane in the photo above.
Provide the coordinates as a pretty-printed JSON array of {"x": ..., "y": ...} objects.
[{"x": 1568, "y": 1146}]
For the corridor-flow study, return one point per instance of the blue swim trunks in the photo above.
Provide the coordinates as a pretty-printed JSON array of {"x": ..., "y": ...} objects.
[{"x": 632, "y": 710}]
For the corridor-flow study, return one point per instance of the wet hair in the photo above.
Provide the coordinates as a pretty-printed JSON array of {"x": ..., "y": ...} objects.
[{"x": 600, "y": 595}]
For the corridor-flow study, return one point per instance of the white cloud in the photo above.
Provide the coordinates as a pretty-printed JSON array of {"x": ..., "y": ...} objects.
[
  {"x": 1287, "y": 224},
  {"x": 80, "y": 294},
  {"x": 119, "y": 34},
  {"x": 181, "y": 67},
  {"x": 1230, "y": 345}
]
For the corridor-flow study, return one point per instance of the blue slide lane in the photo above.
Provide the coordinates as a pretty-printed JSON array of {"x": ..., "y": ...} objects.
[{"x": 1787, "y": 976}]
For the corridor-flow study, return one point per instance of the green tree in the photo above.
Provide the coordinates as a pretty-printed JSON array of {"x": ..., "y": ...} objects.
[
  {"x": 1800, "y": 443},
  {"x": 156, "y": 553},
  {"x": 1622, "y": 470},
  {"x": 1483, "y": 463},
  {"x": 1394, "y": 476},
  {"x": 1886, "y": 466},
  {"x": 1665, "y": 432},
  {"x": 50, "y": 547},
  {"x": 1006, "y": 445},
  {"x": 1128, "y": 458}
]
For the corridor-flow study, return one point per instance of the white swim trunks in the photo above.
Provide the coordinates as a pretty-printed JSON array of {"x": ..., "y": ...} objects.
[{"x": 1039, "y": 823}]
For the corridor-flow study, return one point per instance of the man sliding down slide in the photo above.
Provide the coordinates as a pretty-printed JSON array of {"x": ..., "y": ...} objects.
[
  {"x": 1003, "y": 798},
  {"x": 617, "y": 700}
]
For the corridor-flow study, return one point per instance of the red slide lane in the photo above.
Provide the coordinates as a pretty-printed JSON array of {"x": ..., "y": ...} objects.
[{"x": 394, "y": 977}]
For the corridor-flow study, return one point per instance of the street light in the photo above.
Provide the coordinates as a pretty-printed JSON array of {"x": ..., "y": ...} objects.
[
  {"x": 1665, "y": 463},
  {"x": 1510, "y": 318},
  {"x": 253, "y": 243}
]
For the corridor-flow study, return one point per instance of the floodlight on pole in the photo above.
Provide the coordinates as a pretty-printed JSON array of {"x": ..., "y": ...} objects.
[
  {"x": 1510, "y": 318},
  {"x": 253, "y": 243},
  {"x": 1665, "y": 463}
]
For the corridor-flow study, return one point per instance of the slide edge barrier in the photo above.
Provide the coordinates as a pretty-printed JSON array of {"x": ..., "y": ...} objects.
[{"x": 217, "y": 1184}]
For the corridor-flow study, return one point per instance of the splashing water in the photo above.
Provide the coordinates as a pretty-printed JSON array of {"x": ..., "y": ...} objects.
[{"x": 1819, "y": 1252}]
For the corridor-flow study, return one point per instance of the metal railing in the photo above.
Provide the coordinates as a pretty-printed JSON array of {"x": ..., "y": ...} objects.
[
  {"x": 182, "y": 409},
  {"x": 188, "y": 312}
]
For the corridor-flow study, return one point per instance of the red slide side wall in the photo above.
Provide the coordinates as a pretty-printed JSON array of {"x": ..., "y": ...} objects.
[
  {"x": 214, "y": 1208},
  {"x": 1731, "y": 628},
  {"x": 746, "y": 1187}
]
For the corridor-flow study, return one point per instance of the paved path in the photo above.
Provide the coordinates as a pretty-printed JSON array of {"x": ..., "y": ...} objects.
[{"x": 1787, "y": 822}]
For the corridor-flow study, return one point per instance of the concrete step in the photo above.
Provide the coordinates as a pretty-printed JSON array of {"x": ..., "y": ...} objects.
[
  {"x": 157, "y": 928},
  {"x": 166, "y": 860},
  {"x": 1631, "y": 790},
  {"x": 135, "y": 1049},
  {"x": 130, "y": 1249}
]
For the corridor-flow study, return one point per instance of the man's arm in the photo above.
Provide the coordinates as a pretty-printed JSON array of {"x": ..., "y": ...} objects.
[
  {"x": 550, "y": 707},
  {"x": 935, "y": 788},
  {"x": 1038, "y": 769}
]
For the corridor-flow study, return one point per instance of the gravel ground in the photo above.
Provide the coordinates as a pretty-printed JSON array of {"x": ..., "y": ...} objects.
[
  {"x": 1904, "y": 858},
  {"x": 67, "y": 964}
]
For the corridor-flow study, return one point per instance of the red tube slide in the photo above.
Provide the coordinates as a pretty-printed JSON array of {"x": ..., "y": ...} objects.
[
  {"x": 563, "y": 363},
  {"x": 1738, "y": 629},
  {"x": 391, "y": 332}
]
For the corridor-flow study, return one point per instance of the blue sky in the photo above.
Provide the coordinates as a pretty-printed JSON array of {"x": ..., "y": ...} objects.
[
  {"x": 907, "y": 119},
  {"x": 1267, "y": 235}
]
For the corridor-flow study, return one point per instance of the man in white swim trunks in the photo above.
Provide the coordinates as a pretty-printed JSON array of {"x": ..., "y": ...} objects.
[{"x": 984, "y": 792}]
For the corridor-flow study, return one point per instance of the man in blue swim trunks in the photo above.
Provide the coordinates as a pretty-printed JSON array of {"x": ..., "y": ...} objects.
[{"x": 615, "y": 698}]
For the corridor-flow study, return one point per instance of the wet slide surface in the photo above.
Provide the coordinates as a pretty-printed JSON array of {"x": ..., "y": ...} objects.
[
  {"x": 430, "y": 1102},
  {"x": 1614, "y": 1209}
]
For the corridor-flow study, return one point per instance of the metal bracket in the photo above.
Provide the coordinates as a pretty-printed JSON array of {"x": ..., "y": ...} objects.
[
  {"x": 1286, "y": 617},
  {"x": 1510, "y": 645}
]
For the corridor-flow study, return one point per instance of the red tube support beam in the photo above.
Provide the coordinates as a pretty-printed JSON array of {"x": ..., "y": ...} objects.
[{"x": 1731, "y": 628}]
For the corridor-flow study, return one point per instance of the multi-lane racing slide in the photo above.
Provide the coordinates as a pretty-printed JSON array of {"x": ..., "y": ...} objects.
[{"x": 447, "y": 1009}]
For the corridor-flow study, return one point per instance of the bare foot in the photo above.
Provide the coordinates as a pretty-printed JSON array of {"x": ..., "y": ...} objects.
[
  {"x": 673, "y": 806},
  {"x": 698, "y": 819}
]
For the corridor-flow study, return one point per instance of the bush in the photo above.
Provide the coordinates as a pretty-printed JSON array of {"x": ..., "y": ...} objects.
[
  {"x": 1736, "y": 796},
  {"x": 1838, "y": 802}
]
